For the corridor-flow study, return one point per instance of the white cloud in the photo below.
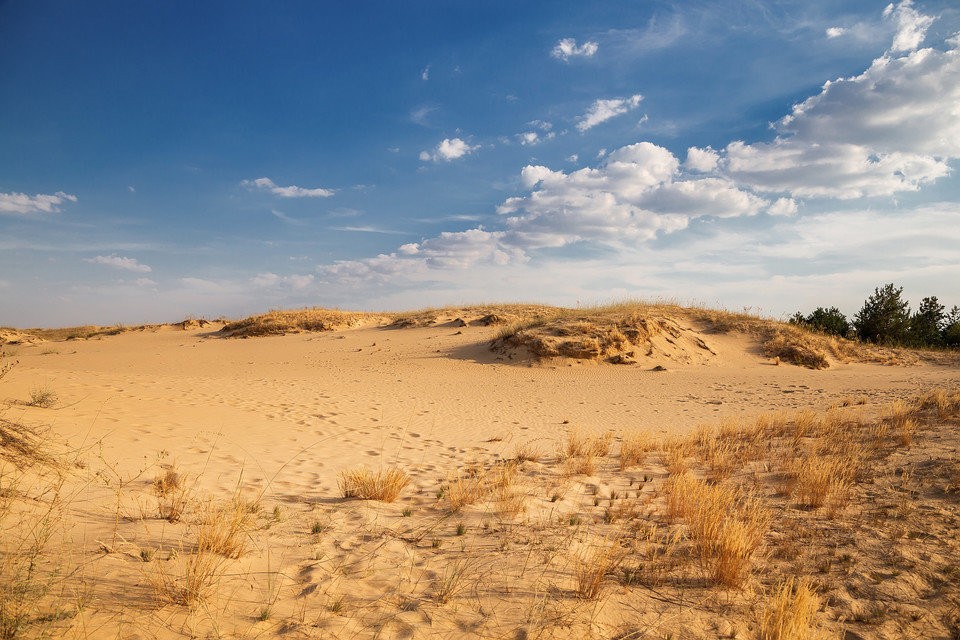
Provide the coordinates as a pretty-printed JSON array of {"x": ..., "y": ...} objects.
[
  {"x": 783, "y": 207},
  {"x": 127, "y": 264},
  {"x": 836, "y": 32},
  {"x": 573, "y": 157},
  {"x": 274, "y": 281},
  {"x": 567, "y": 48},
  {"x": 911, "y": 25},
  {"x": 635, "y": 193},
  {"x": 40, "y": 203},
  {"x": 369, "y": 230},
  {"x": 449, "y": 149},
  {"x": 893, "y": 128},
  {"x": 287, "y": 192},
  {"x": 702, "y": 160},
  {"x": 603, "y": 110},
  {"x": 531, "y": 138},
  {"x": 425, "y": 74}
]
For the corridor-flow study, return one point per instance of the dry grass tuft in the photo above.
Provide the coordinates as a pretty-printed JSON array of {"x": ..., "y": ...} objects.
[
  {"x": 383, "y": 486},
  {"x": 634, "y": 446},
  {"x": 791, "y": 613},
  {"x": 581, "y": 444},
  {"x": 596, "y": 558},
  {"x": 725, "y": 526},
  {"x": 462, "y": 489},
  {"x": 173, "y": 493},
  {"x": 43, "y": 397},
  {"x": 225, "y": 529}
]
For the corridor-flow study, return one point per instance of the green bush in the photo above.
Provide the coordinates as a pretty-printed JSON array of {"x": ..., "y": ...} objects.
[{"x": 884, "y": 317}]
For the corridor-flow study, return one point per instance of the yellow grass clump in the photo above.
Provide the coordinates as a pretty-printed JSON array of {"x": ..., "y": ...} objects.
[
  {"x": 791, "y": 613},
  {"x": 383, "y": 486}
]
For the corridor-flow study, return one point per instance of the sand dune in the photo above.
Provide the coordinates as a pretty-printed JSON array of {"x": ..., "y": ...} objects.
[{"x": 275, "y": 419}]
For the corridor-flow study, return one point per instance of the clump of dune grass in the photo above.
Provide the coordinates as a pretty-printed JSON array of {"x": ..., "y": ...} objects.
[
  {"x": 464, "y": 488},
  {"x": 383, "y": 486},
  {"x": 675, "y": 453},
  {"x": 596, "y": 558},
  {"x": 725, "y": 526},
  {"x": 580, "y": 443},
  {"x": 790, "y": 614},
  {"x": 505, "y": 486},
  {"x": 634, "y": 446},
  {"x": 525, "y": 452},
  {"x": 225, "y": 529},
  {"x": 172, "y": 490}
]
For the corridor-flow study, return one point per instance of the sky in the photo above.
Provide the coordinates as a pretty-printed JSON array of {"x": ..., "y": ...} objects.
[{"x": 168, "y": 159}]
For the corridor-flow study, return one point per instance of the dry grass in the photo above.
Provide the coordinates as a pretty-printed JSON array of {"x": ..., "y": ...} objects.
[
  {"x": 581, "y": 444},
  {"x": 790, "y": 614},
  {"x": 43, "y": 397},
  {"x": 464, "y": 488},
  {"x": 173, "y": 492},
  {"x": 596, "y": 558},
  {"x": 383, "y": 486},
  {"x": 277, "y": 322},
  {"x": 725, "y": 526},
  {"x": 634, "y": 446}
]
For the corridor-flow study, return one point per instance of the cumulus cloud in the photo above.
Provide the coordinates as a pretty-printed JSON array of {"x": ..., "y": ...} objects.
[
  {"x": 635, "y": 193},
  {"x": 836, "y": 32},
  {"x": 568, "y": 48},
  {"x": 286, "y": 192},
  {"x": 911, "y": 25},
  {"x": 40, "y": 203},
  {"x": 449, "y": 149},
  {"x": 603, "y": 110},
  {"x": 117, "y": 262},
  {"x": 893, "y": 128},
  {"x": 702, "y": 160}
]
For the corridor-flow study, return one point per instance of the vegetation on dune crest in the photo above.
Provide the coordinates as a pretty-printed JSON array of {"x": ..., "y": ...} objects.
[{"x": 277, "y": 322}]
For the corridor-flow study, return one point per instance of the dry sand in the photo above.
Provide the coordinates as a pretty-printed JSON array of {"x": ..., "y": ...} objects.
[{"x": 279, "y": 417}]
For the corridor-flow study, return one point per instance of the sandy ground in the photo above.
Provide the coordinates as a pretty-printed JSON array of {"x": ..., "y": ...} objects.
[
  {"x": 297, "y": 409},
  {"x": 281, "y": 416}
]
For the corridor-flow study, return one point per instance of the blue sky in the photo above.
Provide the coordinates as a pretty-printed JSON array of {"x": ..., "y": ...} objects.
[{"x": 224, "y": 158}]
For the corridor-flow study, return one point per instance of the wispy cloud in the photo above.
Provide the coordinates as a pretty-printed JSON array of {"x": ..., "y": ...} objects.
[
  {"x": 568, "y": 48},
  {"x": 449, "y": 149},
  {"x": 370, "y": 229},
  {"x": 274, "y": 281},
  {"x": 911, "y": 25},
  {"x": 603, "y": 110},
  {"x": 117, "y": 262},
  {"x": 421, "y": 114},
  {"x": 286, "y": 192},
  {"x": 40, "y": 203}
]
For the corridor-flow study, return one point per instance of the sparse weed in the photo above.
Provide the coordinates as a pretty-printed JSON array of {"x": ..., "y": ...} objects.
[{"x": 43, "y": 397}]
